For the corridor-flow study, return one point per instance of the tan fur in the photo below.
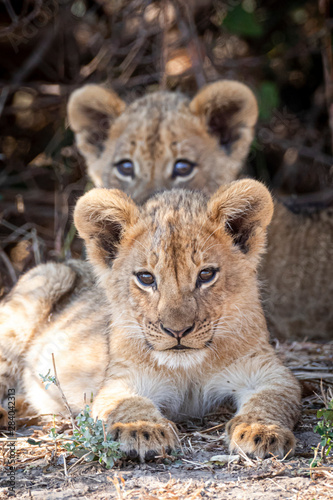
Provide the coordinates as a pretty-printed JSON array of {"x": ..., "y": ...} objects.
[
  {"x": 297, "y": 275},
  {"x": 214, "y": 131},
  {"x": 116, "y": 338},
  {"x": 30, "y": 305}
]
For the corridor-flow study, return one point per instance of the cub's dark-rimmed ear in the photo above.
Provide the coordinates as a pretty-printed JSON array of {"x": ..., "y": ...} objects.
[
  {"x": 243, "y": 209},
  {"x": 91, "y": 111},
  {"x": 101, "y": 217},
  {"x": 230, "y": 112}
]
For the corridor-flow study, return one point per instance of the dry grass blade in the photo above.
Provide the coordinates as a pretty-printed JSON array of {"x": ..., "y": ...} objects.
[
  {"x": 8, "y": 264},
  {"x": 215, "y": 428},
  {"x": 65, "y": 465},
  {"x": 70, "y": 413}
]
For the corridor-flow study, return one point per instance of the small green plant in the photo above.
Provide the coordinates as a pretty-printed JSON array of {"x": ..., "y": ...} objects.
[
  {"x": 324, "y": 428},
  {"x": 48, "y": 379},
  {"x": 91, "y": 441}
]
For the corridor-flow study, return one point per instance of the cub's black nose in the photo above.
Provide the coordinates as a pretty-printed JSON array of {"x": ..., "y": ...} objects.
[{"x": 178, "y": 334}]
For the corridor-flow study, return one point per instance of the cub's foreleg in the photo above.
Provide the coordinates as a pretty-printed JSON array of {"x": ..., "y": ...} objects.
[
  {"x": 134, "y": 421},
  {"x": 268, "y": 400},
  {"x": 22, "y": 313}
]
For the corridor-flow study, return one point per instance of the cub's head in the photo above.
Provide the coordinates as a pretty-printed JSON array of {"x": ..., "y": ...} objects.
[
  {"x": 164, "y": 140},
  {"x": 180, "y": 271}
]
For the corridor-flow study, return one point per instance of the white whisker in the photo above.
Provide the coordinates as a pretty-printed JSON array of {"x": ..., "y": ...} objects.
[
  {"x": 143, "y": 246},
  {"x": 212, "y": 246},
  {"x": 211, "y": 234}
]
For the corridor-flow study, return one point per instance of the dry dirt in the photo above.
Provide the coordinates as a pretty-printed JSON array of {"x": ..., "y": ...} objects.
[{"x": 40, "y": 471}]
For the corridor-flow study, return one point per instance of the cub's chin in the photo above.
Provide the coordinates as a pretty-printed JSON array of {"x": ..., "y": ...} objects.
[{"x": 180, "y": 358}]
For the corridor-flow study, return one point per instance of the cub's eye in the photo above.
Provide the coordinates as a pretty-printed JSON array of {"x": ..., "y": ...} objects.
[
  {"x": 206, "y": 275},
  {"x": 146, "y": 279},
  {"x": 125, "y": 167},
  {"x": 182, "y": 168}
]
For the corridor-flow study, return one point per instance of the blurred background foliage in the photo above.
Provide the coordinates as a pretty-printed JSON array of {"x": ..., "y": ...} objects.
[{"x": 282, "y": 49}]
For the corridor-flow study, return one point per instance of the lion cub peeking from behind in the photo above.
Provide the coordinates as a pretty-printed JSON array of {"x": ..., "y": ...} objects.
[
  {"x": 164, "y": 140},
  {"x": 172, "y": 327}
]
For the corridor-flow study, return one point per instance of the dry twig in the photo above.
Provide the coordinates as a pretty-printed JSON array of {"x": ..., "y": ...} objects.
[{"x": 57, "y": 383}]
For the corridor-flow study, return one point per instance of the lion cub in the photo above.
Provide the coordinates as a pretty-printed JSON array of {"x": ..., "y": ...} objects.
[
  {"x": 165, "y": 140},
  {"x": 172, "y": 327}
]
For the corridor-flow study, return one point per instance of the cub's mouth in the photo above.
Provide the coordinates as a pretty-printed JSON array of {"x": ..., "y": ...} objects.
[{"x": 181, "y": 347}]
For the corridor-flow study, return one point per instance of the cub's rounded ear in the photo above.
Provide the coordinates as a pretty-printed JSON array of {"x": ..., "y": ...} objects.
[
  {"x": 244, "y": 209},
  {"x": 91, "y": 111},
  {"x": 230, "y": 112},
  {"x": 101, "y": 217}
]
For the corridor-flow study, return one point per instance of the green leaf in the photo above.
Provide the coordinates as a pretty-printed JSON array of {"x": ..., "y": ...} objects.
[
  {"x": 87, "y": 434},
  {"x": 242, "y": 23},
  {"x": 90, "y": 457},
  {"x": 269, "y": 99},
  {"x": 33, "y": 442},
  {"x": 79, "y": 452},
  {"x": 328, "y": 415}
]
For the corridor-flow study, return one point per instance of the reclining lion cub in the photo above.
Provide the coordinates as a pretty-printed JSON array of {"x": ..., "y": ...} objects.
[
  {"x": 164, "y": 140},
  {"x": 173, "y": 327}
]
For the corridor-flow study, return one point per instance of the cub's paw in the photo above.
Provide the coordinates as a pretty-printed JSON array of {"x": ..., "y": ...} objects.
[
  {"x": 258, "y": 439},
  {"x": 144, "y": 439},
  {"x": 3, "y": 417}
]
